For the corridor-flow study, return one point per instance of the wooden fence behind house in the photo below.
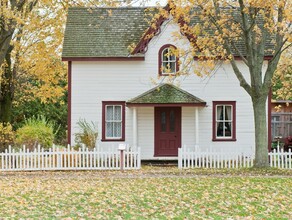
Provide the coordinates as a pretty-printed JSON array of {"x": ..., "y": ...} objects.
[
  {"x": 281, "y": 124},
  {"x": 99, "y": 158}
]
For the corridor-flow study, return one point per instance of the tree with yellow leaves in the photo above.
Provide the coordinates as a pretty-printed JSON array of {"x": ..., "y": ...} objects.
[
  {"x": 282, "y": 80},
  {"x": 31, "y": 34},
  {"x": 27, "y": 49},
  {"x": 264, "y": 29}
]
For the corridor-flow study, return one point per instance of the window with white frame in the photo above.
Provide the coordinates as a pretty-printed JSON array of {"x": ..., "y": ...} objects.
[
  {"x": 168, "y": 63},
  {"x": 113, "y": 120},
  {"x": 223, "y": 120}
]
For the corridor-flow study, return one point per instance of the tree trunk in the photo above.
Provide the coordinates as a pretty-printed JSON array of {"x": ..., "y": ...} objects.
[
  {"x": 5, "y": 107},
  {"x": 6, "y": 90},
  {"x": 261, "y": 137}
]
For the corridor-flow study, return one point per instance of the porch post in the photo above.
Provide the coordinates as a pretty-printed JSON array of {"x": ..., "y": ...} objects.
[
  {"x": 197, "y": 125},
  {"x": 135, "y": 131}
]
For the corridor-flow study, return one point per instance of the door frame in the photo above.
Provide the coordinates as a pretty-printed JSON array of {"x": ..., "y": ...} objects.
[{"x": 156, "y": 132}]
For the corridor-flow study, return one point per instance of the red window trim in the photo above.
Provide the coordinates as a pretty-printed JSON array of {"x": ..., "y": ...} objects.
[
  {"x": 233, "y": 103},
  {"x": 105, "y": 103},
  {"x": 160, "y": 60}
]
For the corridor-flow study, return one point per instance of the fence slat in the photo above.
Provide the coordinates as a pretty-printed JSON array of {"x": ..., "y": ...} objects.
[
  {"x": 189, "y": 158},
  {"x": 69, "y": 159}
]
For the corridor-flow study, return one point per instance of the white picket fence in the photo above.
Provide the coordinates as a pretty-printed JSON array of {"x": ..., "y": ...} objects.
[
  {"x": 196, "y": 158},
  {"x": 99, "y": 158},
  {"x": 191, "y": 158},
  {"x": 280, "y": 159}
]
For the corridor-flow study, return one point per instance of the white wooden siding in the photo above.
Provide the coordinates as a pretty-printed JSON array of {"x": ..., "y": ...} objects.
[
  {"x": 146, "y": 132},
  {"x": 94, "y": 82},
  {"x": 188, "y": 126}
]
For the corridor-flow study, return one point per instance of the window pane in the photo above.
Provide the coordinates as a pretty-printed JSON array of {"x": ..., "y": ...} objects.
[
  {"x": 228, "y": 129},
  {"x": 165, "y": 55},
  {"x": 109, "y": 129},
  {"x": 172, "y": 67},
  {"x": 219, "y": 112},
  {"x": 228, "y": 112},
  {"x": 164, "y": 67},
  {"x": 118, "y": 113},
  {"x": 163, "y": 121},
  {"x": 172, "y": 121},
  {"x": 219, "y": 126},
  {"x": 172, "y": 56},
  {"x": 117, "y": 129},
  {"x": 109, "y": 112}
]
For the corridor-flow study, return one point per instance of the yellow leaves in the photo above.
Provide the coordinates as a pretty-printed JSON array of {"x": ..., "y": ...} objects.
[
  {"x": 204, "y": 67},
  {"x": 197, "y": 29},
  {"x": 282, "y": 80},
  {"x": 131, "y": 47},
  {"x": 6, "y": 135},
  {"x": 151, "y": 193},
  {"x": 110, "y": 12}
]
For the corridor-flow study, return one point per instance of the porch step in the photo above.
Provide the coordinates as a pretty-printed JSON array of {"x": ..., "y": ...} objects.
[{"x": 160, "y": 163}]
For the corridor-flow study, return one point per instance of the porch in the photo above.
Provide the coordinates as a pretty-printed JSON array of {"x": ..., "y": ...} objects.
[{"x": 163, "y": 119}]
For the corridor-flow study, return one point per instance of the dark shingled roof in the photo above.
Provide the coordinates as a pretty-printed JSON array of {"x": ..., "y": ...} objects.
[
  {"x": 108, "y": 32},
  {"x": 103, "y": 32},
  {"x": 166, "y": 94}
]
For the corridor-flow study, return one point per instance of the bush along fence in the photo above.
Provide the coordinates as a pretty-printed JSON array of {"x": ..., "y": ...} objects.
[
  {"x": 197, "y": 158},
  {"x": 99, "y": 158}
]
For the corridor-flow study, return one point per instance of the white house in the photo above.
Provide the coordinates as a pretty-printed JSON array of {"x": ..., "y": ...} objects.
[{"x": 114, "y": 88}]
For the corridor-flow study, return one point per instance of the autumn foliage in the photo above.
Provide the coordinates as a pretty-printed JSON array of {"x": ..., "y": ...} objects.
[
  {"x": 36, "y": 131},
  {"x": 254, "y": 32},
  {"x": 6, "y": 135}
]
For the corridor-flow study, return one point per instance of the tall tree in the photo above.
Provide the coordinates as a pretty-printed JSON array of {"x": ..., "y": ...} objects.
[
  {"x": 282, "y": 80},
  {"x": 31, "y": 34},
  {"x": 264, "y": 29},
  {"x": 12, "y": 18}
]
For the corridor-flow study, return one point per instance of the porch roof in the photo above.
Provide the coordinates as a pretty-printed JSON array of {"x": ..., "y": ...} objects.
[{"x": 166, "y": 95}]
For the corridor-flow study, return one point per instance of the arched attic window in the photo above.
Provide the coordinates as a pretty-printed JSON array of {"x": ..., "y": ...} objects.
[{"x": 168, "y": 61}]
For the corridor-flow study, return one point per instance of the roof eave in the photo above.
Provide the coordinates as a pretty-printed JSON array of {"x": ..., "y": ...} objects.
[
  {"x": 202, "y": 104},
  {"x": 129, "y": 58}
]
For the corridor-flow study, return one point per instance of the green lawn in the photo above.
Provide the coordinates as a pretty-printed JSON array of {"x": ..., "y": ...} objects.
[{"x": 151, "y": 193}]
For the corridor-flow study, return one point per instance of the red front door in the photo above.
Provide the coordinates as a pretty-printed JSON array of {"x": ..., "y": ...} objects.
[{"x": 167, "y": 131}]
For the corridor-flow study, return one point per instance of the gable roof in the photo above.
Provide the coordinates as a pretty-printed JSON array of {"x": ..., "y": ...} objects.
[
  {"x": 166, "y": 94},
  {"x": 108, "y": 33},
  {"x": 103, "y": 32}
]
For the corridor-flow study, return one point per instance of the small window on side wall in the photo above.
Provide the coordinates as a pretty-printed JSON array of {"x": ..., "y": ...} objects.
[
  {"x": 224, "y": 121},
  {"x": 113, "y": 121},
  {"x": 168, "y": 62}
]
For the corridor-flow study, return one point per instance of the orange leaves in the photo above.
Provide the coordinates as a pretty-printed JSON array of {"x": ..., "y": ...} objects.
[
  {"x": 282, "y": 80},
  {"x": 151, "y": 193},
  {"x": 6, "y": 135}
]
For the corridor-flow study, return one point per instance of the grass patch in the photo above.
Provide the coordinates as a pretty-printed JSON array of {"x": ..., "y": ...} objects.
[{"x": 150, "y": 193}]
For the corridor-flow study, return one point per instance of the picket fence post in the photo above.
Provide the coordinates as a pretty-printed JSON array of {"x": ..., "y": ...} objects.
[
  {"x": 67, "y": 158},
  {"x": 188, "y": 158}
]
